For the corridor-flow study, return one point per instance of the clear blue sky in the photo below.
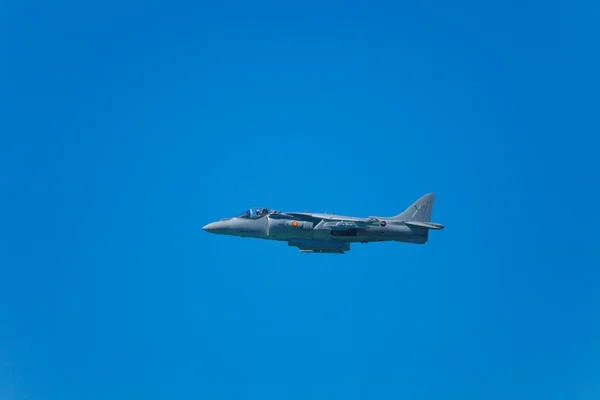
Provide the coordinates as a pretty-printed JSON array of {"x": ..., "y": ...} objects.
[{"x": 127, "y": 126}]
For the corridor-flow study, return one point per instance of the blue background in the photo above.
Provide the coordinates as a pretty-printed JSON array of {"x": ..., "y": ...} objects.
[{"x": 125, "y": 127}]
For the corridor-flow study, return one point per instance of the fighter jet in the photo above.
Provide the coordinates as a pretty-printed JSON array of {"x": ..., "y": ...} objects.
[{"x": 330, "y": 233}]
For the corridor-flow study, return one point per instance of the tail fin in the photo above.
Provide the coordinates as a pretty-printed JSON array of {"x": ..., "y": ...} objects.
[{"x": 419, "y": 211}]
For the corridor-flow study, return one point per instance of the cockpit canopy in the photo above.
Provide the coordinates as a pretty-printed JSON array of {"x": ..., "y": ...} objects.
[{"x": 254, "y": 213}]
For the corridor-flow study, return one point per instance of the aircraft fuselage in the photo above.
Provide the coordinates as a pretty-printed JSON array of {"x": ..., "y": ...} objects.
[
  {"x": 330, "y": 233},
  {"x": 284, "y": 230}
]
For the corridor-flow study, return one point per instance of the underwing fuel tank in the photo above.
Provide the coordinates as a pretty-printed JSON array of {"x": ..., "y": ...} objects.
[{"x": 320, "y": 246}]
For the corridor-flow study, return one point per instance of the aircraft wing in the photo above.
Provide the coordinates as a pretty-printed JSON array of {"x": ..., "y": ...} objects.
[
  {"x": 328, "y": 221},
  {"x": 326, "y": 217}
]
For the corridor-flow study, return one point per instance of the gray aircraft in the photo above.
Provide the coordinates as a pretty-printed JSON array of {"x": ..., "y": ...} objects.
[{"x": 330, "y": 233}]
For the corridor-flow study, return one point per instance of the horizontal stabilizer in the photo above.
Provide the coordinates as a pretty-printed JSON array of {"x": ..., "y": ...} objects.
[{"x": 426, "y": 225}]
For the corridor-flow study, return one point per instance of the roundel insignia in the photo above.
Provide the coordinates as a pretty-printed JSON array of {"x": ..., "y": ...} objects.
[
  {"x": 295, "y": 224},
  {"x": 382, "y": 223}
]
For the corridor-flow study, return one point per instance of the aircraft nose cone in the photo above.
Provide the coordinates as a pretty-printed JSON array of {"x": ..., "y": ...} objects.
[
  {"x": 216, "y": 227},
  {"x": 212, "y": 227}
]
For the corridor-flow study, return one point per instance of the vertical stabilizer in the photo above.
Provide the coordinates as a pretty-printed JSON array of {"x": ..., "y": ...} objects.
[{"x": 420, "y": 210}]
